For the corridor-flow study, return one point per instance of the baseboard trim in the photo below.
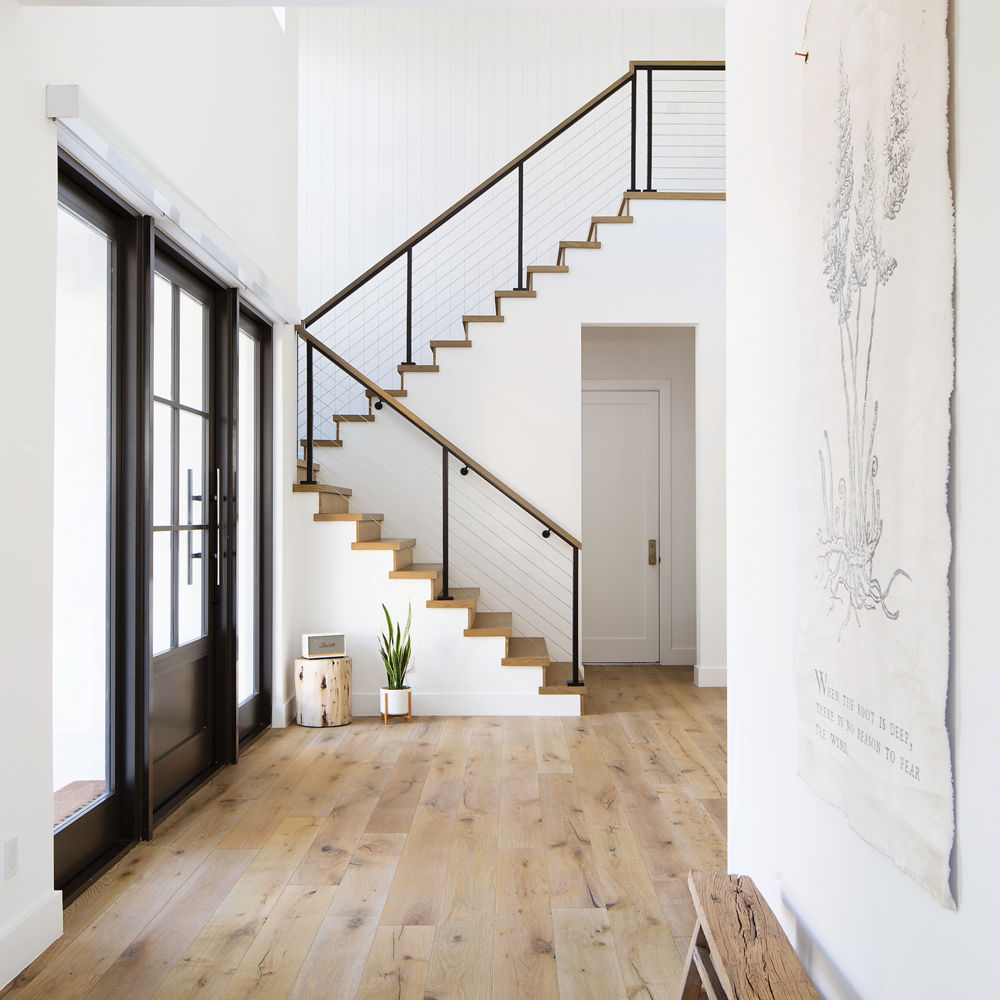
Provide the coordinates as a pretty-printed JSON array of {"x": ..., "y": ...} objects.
[
  {"x": 425, "y": 703},
  {"x": 710, "y": 677},
  {"x": 679, "y": 656},
  {"x": 22, "y": 942},
  {"x": 283, "y": 715}
]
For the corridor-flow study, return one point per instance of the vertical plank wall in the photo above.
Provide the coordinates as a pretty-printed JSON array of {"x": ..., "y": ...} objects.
[{"x": 404, "y": 110}]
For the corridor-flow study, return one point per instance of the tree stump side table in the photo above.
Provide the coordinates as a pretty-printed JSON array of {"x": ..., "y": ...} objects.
[{"x": 323, "y": 691}]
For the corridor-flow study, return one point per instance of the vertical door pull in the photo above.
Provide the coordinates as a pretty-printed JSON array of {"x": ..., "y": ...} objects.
[
  {"x": 192, "y": 555},
  {"x": 218, "y": 527},
  {"x": 652, "y": 552}
]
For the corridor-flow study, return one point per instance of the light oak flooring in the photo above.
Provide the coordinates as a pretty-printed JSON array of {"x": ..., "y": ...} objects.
[{"x": 453, "y": 859}]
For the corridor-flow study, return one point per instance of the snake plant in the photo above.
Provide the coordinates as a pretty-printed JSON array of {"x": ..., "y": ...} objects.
[{"x": 395, "y": 650}]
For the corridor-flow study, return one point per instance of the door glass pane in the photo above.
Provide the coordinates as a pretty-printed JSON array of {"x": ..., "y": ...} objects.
[
  {"x": 192, "y": 352},
  {"x": 80, "y": 690},
  {"x": 247, "y": 554},
  {"x": 190, "y": 587},
  {"x": 181, "y": 488},
  {"x": 162, "y": 453},
  {"x": 161, "y": 591},
  {"x": 162, "y": 338},
  {"x": 191, "y": 482}
]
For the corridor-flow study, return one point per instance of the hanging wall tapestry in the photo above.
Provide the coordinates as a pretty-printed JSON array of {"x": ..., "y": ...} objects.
[{"x": 876, "y": 275}]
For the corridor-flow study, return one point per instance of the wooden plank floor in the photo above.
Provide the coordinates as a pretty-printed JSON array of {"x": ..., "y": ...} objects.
[{"x": 450, "y": 859}]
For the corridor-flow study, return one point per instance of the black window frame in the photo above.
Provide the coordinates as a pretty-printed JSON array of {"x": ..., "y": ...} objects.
[{"x": 263, "y": 332}]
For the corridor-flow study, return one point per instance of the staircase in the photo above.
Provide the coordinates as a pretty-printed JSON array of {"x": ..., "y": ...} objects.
[
  {"x": 556, "y": 684},
  {"x": 333, "y": 506},
  {"x": 374, "y": 398}
]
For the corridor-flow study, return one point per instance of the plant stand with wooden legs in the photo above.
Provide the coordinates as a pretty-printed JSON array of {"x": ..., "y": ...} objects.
[{"x": 385, "y": 694}]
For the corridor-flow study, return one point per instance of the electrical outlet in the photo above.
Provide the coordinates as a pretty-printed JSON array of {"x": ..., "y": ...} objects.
[{"x": 10, "y": 858}]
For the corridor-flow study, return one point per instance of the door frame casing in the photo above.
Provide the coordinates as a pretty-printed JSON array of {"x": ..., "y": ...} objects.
[{"x": 668, "y": 656}]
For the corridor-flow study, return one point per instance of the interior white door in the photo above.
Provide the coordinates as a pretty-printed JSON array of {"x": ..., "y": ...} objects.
[{"x": 621, "y": 487}]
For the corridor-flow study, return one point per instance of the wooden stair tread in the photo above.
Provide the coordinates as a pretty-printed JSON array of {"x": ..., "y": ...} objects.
[
  {"x": 603, "y": 220},
  {"x": 322, "y": 443},
  {"x": 491, "y": 623},
  {"x": 406, "y": 369},
  {"x": 556, "y": 677},
  {"x": 516, "y": 293},
  {"x": 675, "y": 196},
  {"x": 352, "y": 418},
  {"x": 482, "y": 319},
  {"x": 417, "y": 571},
  {"x": 395, "y": 393},
  {"x": 526, "y": 652},
  {"x": 461, "y": 597},
  {"x": 350, "y": 516},
  {"x": 579, "y": 244},
  {"x": 435, "y": 344},
  {"x": 548, "y": 268},
  {"x": 385, "y": 544},
  {"x": 320, "y": 488}
]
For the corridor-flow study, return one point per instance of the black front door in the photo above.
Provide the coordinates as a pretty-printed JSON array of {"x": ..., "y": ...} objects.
[
  {"x": 161, "y": 528},
  {"x": 187, "y": 475}
]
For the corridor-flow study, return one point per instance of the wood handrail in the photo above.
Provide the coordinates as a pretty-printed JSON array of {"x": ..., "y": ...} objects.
[
  {"x": 696, "y": 64},
  {"x": 452, "y": 449}
]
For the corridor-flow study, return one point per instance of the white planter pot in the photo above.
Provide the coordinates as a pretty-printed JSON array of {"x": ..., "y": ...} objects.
[{"x": 395, "y": 701}]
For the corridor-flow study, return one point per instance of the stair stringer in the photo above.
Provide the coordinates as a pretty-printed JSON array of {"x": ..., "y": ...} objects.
[{"x": 342, "y": 590}]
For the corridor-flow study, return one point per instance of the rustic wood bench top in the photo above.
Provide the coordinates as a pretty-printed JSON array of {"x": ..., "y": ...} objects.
[{"x": 738, "y": 950}]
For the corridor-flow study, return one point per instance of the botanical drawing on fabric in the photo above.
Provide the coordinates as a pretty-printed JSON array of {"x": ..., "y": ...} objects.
[
  {"x": 875, "y": 289},
  {"x": 856, "y": 264}
]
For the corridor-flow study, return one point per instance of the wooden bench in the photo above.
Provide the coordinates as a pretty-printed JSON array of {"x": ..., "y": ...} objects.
[{"x": 738, "y": 950}]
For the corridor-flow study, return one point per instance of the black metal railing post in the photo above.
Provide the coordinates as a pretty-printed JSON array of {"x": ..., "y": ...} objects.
[
  {"x": 520, "y": 227},
  {"x": 409, "y": 306},
  {"x": 444, "y": 595},
  {"x": 631, "y": 186},
  {"x": 575, "y": 680},
  {"x": 309, "y": 416},
  {"x": 649, "y": 130}
]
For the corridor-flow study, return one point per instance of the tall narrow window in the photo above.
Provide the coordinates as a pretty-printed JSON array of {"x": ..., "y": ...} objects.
[
  {"x": 252, "y": 532},
  {"x": 247, "y": 529},
  {"x": 82, "y": 688}
]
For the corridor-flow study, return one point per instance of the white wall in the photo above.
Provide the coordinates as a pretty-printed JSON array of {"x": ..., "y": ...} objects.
[
  {"x": 210, "y": 95},
  {"x": 405, "y": 110},
  {"x": 865, "y": 930},
  {"x": 638, "y": 354}
]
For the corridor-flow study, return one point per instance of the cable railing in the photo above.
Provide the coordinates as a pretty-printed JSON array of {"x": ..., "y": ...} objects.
[
  {"x": 660, "y": 127},
  {"x": 467, "y": 465}
]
